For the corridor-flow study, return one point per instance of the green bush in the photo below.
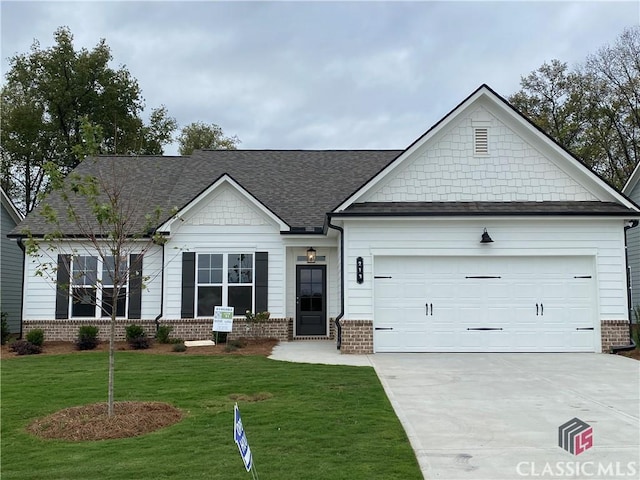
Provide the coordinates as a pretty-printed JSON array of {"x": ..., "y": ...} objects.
[
  {"x": 36, "y": 337},
  {"x": 137, "y": 337},
  {"x": 4, "y": 328},
  {"x": 87, "y": 337},
  {"x": 179, "y": 347},
  {"x": 24, "y": 347},
  {"x": 162, "y": 334}
]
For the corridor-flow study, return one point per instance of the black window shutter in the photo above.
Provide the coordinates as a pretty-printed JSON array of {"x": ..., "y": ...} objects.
[
  {"x": 262, "y": 281},
  {"x": 188, "y": 284},
  {"x": 62, "y": 286},
  {"x": 135, "y": 286}
]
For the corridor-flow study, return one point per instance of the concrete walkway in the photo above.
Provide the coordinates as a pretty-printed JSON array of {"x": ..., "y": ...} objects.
[{"x": 496, "y": 416}]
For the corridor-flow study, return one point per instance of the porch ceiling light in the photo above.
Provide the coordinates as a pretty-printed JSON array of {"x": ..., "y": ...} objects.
[
  {"x": 311, "y": 255},
  {"x": 485, "y": 237}
]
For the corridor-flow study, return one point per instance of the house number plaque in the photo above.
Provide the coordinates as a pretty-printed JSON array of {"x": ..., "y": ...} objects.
[{"x": 359, "y": 270}]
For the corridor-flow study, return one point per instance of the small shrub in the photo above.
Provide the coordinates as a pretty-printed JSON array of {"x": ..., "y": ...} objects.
[
  {"x": 24, "y": 347},
  {"x": 162, "y": 334},
  {"x": 179, "y": 347},
  {"x": 233, "y": 345},
  {"x": 87, "y": 337},
  {"x": 4, "y": 328},
  {"x": 36, "y": 337},
  {"x": 137, "y": 337}
]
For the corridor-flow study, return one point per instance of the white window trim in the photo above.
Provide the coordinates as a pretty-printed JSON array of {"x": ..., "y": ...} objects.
[
  {"x": 225, "y": 281},
  {"x": 98, "y": 287}
]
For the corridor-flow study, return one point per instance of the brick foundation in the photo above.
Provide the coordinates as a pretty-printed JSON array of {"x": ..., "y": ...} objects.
[
  {"x": 615, "y": 333},
  {"x": 357, "y": 336},
  {"x": 186, "y": 328}
]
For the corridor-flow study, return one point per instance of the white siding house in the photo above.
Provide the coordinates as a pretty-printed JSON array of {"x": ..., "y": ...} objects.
[{"x": 482, "y": 235}]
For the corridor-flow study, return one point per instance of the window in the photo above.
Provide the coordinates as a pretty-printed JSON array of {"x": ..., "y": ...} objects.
[
  {"x": 224, "y": 280},
  {"x": 86, "y": 273}
]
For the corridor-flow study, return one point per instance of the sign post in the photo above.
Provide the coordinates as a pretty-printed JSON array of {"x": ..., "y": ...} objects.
[{"x": 241, "y": 440}]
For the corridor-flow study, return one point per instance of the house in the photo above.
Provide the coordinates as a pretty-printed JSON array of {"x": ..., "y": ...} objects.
[
  {"x": 483, "y": 235},
  {"x": 11, "y": 266},
  {"x": 632, "y": 190}
]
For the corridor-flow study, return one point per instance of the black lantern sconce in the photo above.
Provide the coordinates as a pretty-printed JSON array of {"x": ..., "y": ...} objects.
[
  {"x": 485, "y": 237},
  {"x": 311, "y": 255}
]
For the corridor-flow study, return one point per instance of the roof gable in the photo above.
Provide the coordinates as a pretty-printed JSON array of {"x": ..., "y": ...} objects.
[
  {"x": 632, "y": 187},
  {"x": 522, "y": 164},
  {"x": 10, "y": 208},
  {"x": 227, "y": 203}
]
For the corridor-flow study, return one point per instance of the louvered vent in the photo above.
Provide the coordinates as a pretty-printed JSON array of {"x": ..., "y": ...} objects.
[{"x": 481, "y": 141}]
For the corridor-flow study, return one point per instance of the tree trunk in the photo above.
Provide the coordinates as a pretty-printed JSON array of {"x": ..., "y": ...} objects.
[{"x": 112, "y": 359}]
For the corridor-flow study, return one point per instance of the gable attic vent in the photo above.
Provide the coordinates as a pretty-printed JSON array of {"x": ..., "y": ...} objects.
[{"x": 481, "y": 141}]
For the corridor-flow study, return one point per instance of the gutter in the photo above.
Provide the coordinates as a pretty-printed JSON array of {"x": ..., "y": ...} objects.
[
  {"x": 24, "y": 278},
  {"x": 161, "y": 293},
  {"x": 341, "y": 314},
  {"x": 632, "y": 345}
]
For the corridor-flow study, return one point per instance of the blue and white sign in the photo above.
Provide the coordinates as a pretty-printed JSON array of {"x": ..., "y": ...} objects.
[{"x": 241, "y": 439}]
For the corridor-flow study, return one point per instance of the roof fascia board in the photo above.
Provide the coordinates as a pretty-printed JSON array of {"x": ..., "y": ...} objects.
[
  {"x": 16, "y": 216},
  {"x": 489, "y": 216},
  {"x": 224, "y": 179},
  {"x": 632, "y": 182}
]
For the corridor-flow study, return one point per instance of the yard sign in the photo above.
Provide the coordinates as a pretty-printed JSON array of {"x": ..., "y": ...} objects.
[
  {"x": 241, "y": 439},
  {"x": 222, "y": 319}
]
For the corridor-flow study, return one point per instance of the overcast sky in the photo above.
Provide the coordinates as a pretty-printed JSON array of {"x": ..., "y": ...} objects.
[{"x": 322, "y": 75}]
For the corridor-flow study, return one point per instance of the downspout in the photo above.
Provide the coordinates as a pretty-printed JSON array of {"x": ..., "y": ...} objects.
[
  {"x": 632, "y": 345},
  {"x": 24, "y": 259},
  {"x": 341, "y": 314},
  {"x": 161, "y": 293}
]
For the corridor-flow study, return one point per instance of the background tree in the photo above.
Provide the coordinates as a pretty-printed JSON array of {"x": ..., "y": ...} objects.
[
  {"x": 115, "y": 230},
  {"x": 593, "y": 110},
  {"x": 201, "y": 136},
  {"x": 45, "y": 96}
]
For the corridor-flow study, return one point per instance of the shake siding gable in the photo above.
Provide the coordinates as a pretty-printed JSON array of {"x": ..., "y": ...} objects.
[{"x": 446, "y": 169}]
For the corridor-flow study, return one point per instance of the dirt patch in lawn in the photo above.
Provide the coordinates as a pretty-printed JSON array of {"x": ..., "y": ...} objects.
[
  {"x": 261, "y": 347},
  {"x": 92, "y": 422}
]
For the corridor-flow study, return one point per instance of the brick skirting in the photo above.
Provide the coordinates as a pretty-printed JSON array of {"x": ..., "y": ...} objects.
[
  {"x": 615, "y": 333},
  {"x": 186, "y": 328},
  {"x": 357, "y": 336}
]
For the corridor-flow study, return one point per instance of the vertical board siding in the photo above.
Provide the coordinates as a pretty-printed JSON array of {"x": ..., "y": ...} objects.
[{"x": 602, "y": 240}]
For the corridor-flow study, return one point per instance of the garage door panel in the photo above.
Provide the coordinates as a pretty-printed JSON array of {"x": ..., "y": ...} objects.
[{"x": 440, "y": 302}]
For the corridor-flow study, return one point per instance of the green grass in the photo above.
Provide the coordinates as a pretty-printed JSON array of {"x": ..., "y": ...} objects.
[{"x": 322, "y": 422}]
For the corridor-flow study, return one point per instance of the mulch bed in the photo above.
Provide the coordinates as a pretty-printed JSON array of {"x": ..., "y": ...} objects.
[{"x": 91, "y": 422}]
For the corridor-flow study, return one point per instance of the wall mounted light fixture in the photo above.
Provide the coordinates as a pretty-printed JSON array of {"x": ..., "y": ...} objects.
[
  {"x": 311, "y": 255},
  {"x": 485, "y": 237}
]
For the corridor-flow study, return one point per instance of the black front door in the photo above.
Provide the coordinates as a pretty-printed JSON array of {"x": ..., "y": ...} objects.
[{"x": 311, "y": 301}]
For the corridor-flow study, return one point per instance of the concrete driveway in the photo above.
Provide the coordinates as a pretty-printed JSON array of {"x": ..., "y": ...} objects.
[{"x": 496, "y": 416}]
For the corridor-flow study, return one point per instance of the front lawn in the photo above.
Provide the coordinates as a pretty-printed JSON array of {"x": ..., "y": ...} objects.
[{"x": 324, "y": 422}]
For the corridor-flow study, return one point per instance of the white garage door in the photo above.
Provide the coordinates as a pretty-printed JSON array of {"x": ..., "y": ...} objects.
[{"x": 484, "y": 304}]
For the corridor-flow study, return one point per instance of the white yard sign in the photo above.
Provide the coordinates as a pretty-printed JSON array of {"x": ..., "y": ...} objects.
[{"x": 222, "y": 319}]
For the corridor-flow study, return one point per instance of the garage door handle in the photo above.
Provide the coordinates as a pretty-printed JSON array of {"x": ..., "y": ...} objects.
[
  {"x": 484, "y": 329},
  {"x": 536, "y": 309},
  {"x": 384, "y": 328},
  {"x": 427, "y": 306},
  {"x": 541, "y": 309},
  {"x": 585, "y": 328}
]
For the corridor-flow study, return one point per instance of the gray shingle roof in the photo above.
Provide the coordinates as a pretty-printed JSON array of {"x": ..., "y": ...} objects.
[{"x": 298, "y": 186}]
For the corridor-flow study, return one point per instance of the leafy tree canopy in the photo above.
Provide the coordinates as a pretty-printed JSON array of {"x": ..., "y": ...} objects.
[
  {"x": 593, "y": 110},
  {"x": 201, "y": 136},
  {"x": 48, "y": 93}
]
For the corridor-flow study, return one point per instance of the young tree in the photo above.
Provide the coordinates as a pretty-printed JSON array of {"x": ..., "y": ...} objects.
[
  {"x": 98, "y": 235},
  {"x": 45, "y": 95},
  {"x": 200, "y": 136},
  {"x": 593, "y": 110}
]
